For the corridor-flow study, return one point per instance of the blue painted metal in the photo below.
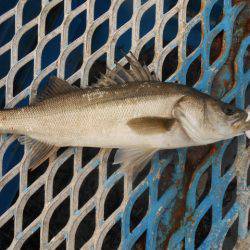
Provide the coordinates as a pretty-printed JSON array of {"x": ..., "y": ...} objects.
[{"x": 162, "y": 210}]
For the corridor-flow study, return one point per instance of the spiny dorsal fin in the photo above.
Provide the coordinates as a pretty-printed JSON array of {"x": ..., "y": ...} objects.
[
  {"x": 38, "y": 151},
  {"x": 151, "y": 125},
  {"x": 56, "y": 86},
  {"x": 120, "y": 75}
]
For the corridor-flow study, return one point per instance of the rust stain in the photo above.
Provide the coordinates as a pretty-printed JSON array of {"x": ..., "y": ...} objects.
[
  {"x": 241, "y": 30},
  {"x": 196, "y": 157}
]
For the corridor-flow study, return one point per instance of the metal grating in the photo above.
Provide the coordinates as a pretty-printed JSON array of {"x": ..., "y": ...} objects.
[{"x": 146, "y": 213}]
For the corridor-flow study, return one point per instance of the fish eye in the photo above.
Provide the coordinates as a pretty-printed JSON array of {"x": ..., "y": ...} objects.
[{"x": 229, "y": 110}]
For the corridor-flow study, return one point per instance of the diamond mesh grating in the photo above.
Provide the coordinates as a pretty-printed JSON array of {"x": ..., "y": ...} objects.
[{"x": 98, "y": 40}]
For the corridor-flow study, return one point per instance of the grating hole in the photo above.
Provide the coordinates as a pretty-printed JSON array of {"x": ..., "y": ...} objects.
[
  {"x": 194, "y": 38},
  {"x": 141, "y": 242},
  {"x": 123, "y": 43},
  {"x": 59, "y": 218},
  {"x": 166, "y": 179},
  {"x": 216, "y": 48},
  {"x": 170, "y": 64},
  {"x": 193, "y": 8},
  {"x": 76, "y": 3},
  {"x": 231, "y": 236},
  {"x": 147, "y": 21},
  {"x": 229, "y": 156},
  {"x": 248, "y": 226},
  {"x": 77, "y": 26},
  {"x": 124, "y": 13},
  {"x": 182, "y": 244},
  {"x": 100, "y": 36},
  {"x": 166, "y": 153},
  {"x": 27, "y": 43},
  {"x": 31, "y": 9},
  {"x": 141, "y": 175},
  {"x": 54, "y": 17},
  {"x": 63, "y": 176},
  {"x": 170, "y": 30},
  {"x": 5, "y": 64},
  {"x": 246, "y": 60},
  {"x": 248, "y": 177},
  {"x": 88, "y": 187},
  {"x": 111, "y": 168},
  {"x": 85, "y": 229},
  {"x": 247, "y": 103},
  {"x": 7, "y": 30},
  {"x": 216, "y": 14},
  {"x": 44, "y": 82},
  {"x": 247, "y": 96},
  {"x": 147, "y": 52},
  {"x": 229, "y": 197},
  {"x": 33, "y": 207},
  {"x": 99, "y": 66},
  {"x": 61, "y": 150},
  {"x": 204, "y": 186},
  {"x": 62, "y": 246},
  {"x": 2, "y": 96},
  {"x": 194, "y": 72},
  {"x": 139, "y": 209},
  {"x": 203, "y": 228},
  {"x": 114, "y": 198},
  {"x": 33, "y": 242},
  {"x": 33, "y": 175},
  {"x": 51, "y": 51},
  {"x": 12, "y": 156},
  {"x": 168, "y": 5},
  {"x": 113, "y": 237},
  {"x": 74, "y": 61},
  {"x": 88, "y": 154},
  {"x": 77, "y": 83},
  {"x": 23, "y": 103},
  {"x": 9, "y": 194},
  {"x": 23, "y": 77},
  {"x": 7, "y": 233},
  {"x": 7, "y": 5},
  {"x": 101, "y": 6}
]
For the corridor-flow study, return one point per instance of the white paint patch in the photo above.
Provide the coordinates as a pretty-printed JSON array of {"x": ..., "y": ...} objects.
[{"x": 248, "y": 119}]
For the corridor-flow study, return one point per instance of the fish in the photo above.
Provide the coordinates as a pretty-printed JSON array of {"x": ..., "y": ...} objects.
[{"x": 128, "y": 109}]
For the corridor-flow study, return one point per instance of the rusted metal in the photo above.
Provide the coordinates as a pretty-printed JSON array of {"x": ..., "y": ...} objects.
[
  {"x": 224, "y": 80},
  {"x": 196, "y": 157}
]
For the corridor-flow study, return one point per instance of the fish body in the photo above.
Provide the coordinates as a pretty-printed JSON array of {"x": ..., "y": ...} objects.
[
  {"x": 99, "y": 117},
  {"x": 130, "y": 110}
]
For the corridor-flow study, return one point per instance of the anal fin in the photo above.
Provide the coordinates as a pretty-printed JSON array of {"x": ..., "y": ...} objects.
[
  {"x": 134, "y": 159},
  {"x": 38, "y": 151}
]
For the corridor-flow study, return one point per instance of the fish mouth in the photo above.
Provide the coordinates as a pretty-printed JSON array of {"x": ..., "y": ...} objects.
[{"x": 240, "y": 119}]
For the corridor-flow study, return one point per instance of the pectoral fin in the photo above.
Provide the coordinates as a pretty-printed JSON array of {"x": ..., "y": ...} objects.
[
  {"x": 133, "y": 159},
  {"x": 38, "y": 151},
  {"x": 151, "y": 125}
]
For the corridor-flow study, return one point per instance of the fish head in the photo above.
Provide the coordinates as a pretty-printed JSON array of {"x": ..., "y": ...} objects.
[{"x": 207, "y": 120}]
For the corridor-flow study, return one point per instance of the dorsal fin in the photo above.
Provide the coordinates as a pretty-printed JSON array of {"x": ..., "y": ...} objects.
[
  {"x": 120, "y": 75},
  {"x": 56, "y": 86}
]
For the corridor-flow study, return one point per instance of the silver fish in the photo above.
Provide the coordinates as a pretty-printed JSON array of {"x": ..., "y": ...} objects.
[{"x": 129, "y": 109}]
